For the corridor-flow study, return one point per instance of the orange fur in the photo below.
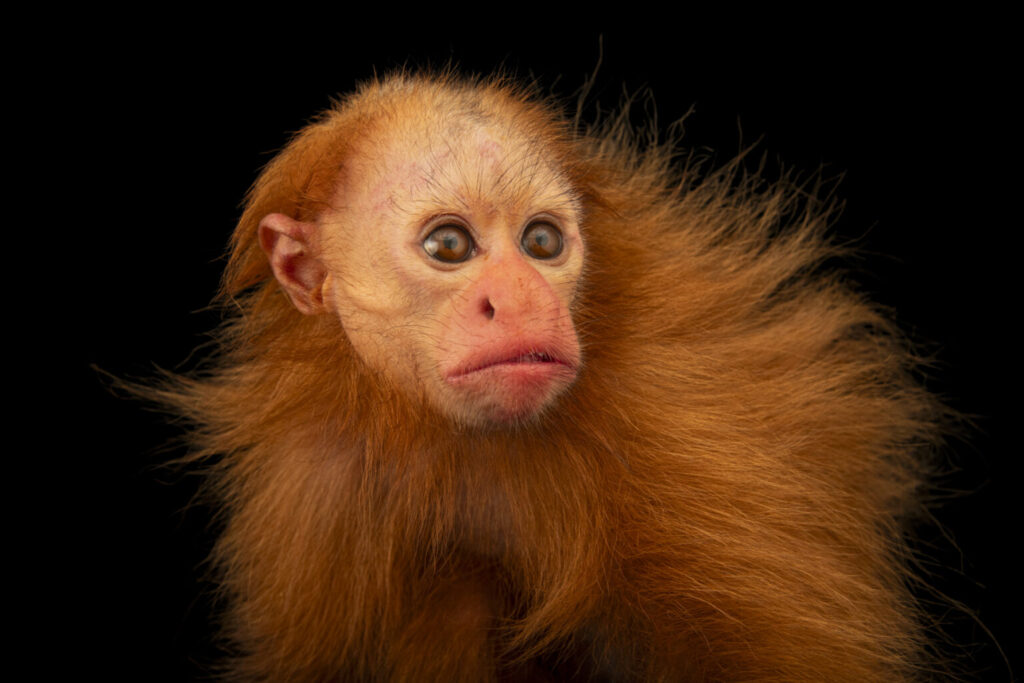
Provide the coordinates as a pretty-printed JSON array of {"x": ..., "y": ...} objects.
[{"x": 720, "y": 496}]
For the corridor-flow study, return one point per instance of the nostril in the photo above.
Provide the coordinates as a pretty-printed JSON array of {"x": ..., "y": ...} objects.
[{"x": 487, "y": 309}]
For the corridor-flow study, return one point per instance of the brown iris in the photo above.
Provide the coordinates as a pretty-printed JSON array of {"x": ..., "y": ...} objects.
[
  {"x": 542, "y": 240},
  {"x": 449, "y": 243}
]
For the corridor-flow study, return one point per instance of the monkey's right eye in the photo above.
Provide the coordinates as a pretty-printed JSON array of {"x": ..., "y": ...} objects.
[{"x": 449, "y": 243}]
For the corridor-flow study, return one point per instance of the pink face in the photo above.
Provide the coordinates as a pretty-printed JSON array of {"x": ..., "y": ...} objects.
[{"x": 452, "y": 261}]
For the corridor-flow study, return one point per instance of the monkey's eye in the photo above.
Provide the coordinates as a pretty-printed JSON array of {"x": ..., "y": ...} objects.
[
  {"x": 542, "y": 240},
  {"x": 449, "y": 243}
]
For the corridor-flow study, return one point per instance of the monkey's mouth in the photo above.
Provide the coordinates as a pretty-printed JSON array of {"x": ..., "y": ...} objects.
[
  {"x": 499, "y": 385},
  {"x": 532, "y": 357},
  {"x": 542, "y": 360}
]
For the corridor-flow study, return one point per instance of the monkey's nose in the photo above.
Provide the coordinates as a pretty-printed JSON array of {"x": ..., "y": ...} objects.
[{"x": 487, "y": 308}]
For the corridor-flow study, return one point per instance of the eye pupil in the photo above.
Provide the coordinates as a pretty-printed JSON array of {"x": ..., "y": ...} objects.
[
  {"x": 542, "y": 241},
  {"x": 449, "y": 243}
]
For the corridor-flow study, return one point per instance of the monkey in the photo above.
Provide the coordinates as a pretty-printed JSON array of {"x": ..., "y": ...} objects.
[{"x": 504, "y": 397}]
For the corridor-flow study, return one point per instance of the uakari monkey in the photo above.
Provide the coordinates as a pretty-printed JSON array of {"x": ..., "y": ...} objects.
[{"x": 504, "y": 398}]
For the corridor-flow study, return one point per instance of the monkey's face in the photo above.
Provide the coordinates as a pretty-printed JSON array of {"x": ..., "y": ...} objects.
[{"x": 452, "y": 260}]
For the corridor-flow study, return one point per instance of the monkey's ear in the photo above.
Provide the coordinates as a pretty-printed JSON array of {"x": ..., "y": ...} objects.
[{"x": 287, "y": 244}]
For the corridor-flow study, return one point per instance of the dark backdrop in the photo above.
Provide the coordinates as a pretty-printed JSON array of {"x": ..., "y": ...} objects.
[{"x": 159, "y": 136}]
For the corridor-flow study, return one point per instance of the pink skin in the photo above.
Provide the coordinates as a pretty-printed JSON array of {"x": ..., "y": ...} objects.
[{"x": 520, "y": 345}]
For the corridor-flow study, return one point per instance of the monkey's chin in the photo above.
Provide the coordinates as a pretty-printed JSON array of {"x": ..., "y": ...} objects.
[{"x": 508, "y": 393}]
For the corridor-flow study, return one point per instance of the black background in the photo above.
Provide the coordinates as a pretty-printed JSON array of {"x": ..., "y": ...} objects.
[{"x": 159, "y": 136}]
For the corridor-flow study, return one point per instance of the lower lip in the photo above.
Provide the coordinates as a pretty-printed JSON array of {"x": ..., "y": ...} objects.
[{"x": 511, "y": 390}]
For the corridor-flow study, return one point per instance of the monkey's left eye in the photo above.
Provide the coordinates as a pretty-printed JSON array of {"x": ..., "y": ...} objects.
[
  {"x": 449, "y": 243},
  {"x": 542, "y": 240}
]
